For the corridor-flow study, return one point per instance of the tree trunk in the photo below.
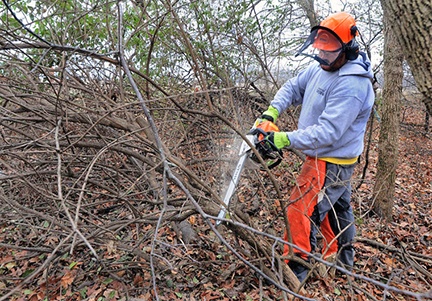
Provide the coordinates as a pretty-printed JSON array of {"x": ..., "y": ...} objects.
[
  {"x": 388, "y": 142},
  {"x": 309, "y": 7},
  {"x": 412, "y": 23}
]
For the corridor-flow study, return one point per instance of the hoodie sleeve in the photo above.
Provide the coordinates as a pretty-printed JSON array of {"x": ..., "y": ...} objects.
[{"x": 291, "y": 93}]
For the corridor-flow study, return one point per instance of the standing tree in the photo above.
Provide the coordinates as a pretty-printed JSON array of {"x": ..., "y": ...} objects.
[
  {"x": 411, "y": 22},
  {"x": 388, "y": 142}
]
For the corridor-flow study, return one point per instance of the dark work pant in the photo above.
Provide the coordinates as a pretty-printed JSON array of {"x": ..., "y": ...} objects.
[{"x": 336, "y": 203}]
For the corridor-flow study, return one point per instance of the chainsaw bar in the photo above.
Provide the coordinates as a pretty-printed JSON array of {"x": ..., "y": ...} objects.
[
  {"x": 266, "y": 150},
  {"x": 244, "y": 153}
]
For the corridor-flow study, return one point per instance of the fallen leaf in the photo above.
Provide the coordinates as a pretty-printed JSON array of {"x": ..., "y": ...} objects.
[{"x": 67, "y": 279}]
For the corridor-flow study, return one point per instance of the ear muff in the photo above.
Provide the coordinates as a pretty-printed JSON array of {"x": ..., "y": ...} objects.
[
  {"x": 352, "y": 48},
  {"x": 354, "y": 31}
]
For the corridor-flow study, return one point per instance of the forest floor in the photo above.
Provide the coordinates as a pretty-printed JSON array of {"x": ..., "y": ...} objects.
[{"x": 393, "y": 260}]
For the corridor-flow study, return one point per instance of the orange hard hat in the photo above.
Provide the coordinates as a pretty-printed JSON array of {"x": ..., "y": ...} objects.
[{"x": 342, "y": 24}]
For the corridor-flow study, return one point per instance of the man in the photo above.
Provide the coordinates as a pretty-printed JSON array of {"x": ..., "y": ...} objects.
[{"x": 336, "y": 95}]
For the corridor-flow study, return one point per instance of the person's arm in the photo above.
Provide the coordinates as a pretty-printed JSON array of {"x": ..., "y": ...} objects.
[
  {"x": 281, "y": 101},
  {"x": 291, "y": 93}
]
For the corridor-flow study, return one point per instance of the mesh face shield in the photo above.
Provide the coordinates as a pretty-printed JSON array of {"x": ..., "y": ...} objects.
[{"x": 323, "y": 45}]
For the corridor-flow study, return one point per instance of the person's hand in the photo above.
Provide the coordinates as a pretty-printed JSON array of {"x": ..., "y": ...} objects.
[
  {"x": 278, "y": 140},
  {"x": 271, "y": 114}
]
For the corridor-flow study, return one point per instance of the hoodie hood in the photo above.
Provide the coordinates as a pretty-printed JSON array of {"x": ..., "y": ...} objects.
[{"x": 360, "y": 66}]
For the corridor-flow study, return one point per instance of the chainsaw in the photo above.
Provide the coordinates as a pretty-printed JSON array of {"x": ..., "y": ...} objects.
[{"x": 271, "y": 155}]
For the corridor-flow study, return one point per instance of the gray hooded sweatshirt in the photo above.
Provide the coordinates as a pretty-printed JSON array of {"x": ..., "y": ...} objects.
[{"x": 335, "y": 108}]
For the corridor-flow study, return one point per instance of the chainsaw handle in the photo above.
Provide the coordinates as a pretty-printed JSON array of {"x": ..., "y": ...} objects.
[
  {"x": 261, "y": 136},
  {"x": 277, "y": 162}
]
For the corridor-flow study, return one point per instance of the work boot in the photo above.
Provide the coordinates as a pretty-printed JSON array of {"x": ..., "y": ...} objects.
[
  {"x": 299, "y": 270},
  {"x": 346, "y": 256}
]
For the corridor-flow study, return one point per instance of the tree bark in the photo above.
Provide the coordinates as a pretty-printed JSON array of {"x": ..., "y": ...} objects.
[
  {"x": 411, "y": 22},
  {"x": 309, "y": 7},
  {"x": 388, "y": 142}
]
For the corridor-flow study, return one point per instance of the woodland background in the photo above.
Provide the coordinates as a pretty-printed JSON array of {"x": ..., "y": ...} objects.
[{"x": 120, "y": 127}]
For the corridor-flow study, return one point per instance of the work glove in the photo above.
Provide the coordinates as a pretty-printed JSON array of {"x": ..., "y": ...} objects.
[
  {"x": 278, "y": 140},
  {"x": 271, "y": 114}
]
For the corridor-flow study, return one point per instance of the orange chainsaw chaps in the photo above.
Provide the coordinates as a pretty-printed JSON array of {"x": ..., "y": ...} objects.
[{"x": 302, "y": 202}]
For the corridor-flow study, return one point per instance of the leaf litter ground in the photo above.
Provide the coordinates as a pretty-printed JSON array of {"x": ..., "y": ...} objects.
[{"x": 396, "y": 255}]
